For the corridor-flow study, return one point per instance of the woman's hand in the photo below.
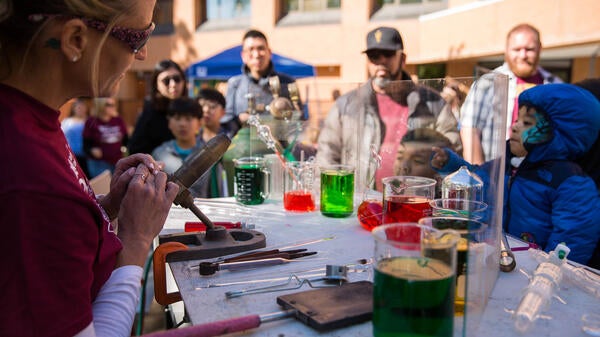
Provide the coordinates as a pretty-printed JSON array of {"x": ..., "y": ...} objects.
[
  {"x": 123, "y": 174},
  {"x": 144, "y": 209},
  {"x": 439, "y": 158}
]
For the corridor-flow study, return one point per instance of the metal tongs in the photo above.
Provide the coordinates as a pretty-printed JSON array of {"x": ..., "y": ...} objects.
[
  {"x": 253, "y": 260},
  {"x": 334, "y": 274}
]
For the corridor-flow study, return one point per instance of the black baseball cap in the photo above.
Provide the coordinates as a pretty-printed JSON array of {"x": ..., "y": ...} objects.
[{"x": 384, "y": 38}]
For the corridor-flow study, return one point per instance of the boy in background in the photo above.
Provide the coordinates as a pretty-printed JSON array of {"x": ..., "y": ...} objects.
[
  {"x": 184, "y": 117},
  {"x": 548, "y": 197},
  {"x": 213, "y": 109},
  {"x": 414, "y": 154}
]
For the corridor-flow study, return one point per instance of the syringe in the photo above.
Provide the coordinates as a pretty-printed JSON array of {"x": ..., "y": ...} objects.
[
  {"x": 580, "y": 276},
  {"x": 542, "y": 287}
]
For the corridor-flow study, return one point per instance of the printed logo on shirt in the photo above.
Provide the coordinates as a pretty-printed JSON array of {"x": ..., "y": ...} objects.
[
  {"x": 73, "y": 165},
  {"x": 110, "y": 134},
  {"x": 85, "y": 186}
]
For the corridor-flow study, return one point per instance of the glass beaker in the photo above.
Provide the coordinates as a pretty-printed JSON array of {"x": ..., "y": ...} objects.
[
  {"x": 370, "y": 210},
  {"x": 463, "y": 208},
  {"x": 276, "y": 170},
  {"x": 472, "y": 234},
  {"x": 251, "y": 180},
  {"x": 298, "y": 184},
  {"x": 337, "y": 190},
  {"x": 414, "y": 281},
  {"x": 406, "y": 198}
]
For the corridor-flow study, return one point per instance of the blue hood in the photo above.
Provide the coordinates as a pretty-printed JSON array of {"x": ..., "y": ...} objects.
[{"x": 574, "y": 114}]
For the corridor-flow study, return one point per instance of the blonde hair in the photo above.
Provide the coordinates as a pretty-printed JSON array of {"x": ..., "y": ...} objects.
[
  {"x": 18, "y": 33},
  {"x": 99, "y": 105}
]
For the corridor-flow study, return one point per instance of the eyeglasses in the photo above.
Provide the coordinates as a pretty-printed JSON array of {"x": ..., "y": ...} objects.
[
  {"x": 375, "y": 54},
  {"x": 175, "y": 78},
  {"x": 136, "y": 39}
]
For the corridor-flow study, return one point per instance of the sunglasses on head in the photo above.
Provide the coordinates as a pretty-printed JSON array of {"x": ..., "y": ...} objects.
[
  {"x": 134, "y": 38},
  {"x": 175, "y": 78},
  {"x": 375, "y": 54}
]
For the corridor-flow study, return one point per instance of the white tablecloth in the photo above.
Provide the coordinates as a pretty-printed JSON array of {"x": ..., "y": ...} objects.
[{"x": 341, "y": 242}]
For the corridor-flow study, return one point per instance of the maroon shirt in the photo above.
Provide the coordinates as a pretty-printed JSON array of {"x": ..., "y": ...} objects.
[
  {"x": 395, "y": 118},
  {"x": 58, "y": 245},
  {"x": 109, "y": 136},
  {"x": 522, "y": 85}
]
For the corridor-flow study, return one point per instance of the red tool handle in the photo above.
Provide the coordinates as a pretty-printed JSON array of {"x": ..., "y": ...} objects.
[
  {"x": 199, "y": 226},
  {"x": 217, "y": 328}
]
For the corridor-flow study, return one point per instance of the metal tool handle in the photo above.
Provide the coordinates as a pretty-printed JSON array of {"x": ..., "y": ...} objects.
[
  {"x": 507, "y": 258},
  {"x": 209, "y": 268}
]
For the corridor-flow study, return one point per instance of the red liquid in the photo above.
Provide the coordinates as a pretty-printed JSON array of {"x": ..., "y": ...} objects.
[
  {"x": 403, "y": 208},
  {"x": 298, "y": 201},
  {"x": 369, "y": 214}
]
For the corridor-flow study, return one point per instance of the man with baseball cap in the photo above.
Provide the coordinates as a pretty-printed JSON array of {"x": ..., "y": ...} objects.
[{"x": 369, "y": 122}]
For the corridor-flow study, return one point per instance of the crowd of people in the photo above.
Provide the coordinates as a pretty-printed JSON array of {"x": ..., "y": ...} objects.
[{"x": 390, "y": 125}]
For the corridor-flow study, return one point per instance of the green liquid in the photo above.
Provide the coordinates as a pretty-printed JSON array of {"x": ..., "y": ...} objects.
[
  {"x": 249, "y": 183},
  {"x": 337, "y": 193},
  {"x": 413, "y": 297}
]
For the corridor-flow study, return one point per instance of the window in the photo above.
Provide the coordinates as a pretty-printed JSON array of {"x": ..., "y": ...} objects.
[
  {"x": 163, "y": 17},
  {"x": 328, "y": 71},
  {"x": 395, "y": 9},
  {"x": 312, "y": 5},
  {"x": 310, "y": 12},
  {"x": 223, "y": 14},
  {"x": 431, "y": 70}
]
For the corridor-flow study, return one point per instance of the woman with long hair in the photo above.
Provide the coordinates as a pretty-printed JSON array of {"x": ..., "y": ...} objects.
[
  {"x": 151, "y": 128},
  {"x": 67, "y": 270}
]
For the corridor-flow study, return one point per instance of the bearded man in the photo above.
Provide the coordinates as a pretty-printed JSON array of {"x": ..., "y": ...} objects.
[
  {"x": 521, "y": 64},
  {"x": 366, "y": 125}
]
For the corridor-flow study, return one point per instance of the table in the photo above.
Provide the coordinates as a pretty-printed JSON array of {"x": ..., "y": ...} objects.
[{"x": 340, "y": 242}]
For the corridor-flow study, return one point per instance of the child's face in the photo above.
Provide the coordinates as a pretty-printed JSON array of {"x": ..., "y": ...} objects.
[
  {"x": 526, "y": 120},
  {"x": 212, "y": 113},
  {"x": 184, "y": 127},
  {"x": 414, "y": 159}
]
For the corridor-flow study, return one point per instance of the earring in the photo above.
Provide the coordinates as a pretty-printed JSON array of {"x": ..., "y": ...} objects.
[{"x": 75, "y": 58}]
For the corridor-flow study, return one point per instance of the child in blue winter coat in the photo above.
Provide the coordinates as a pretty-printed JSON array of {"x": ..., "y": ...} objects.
[{"x": 548, "y": 198}]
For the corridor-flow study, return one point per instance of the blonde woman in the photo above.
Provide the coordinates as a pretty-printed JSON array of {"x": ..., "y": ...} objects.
[
  {"x": 104, "y": 137},
  {"x": 67, "y": 271}
]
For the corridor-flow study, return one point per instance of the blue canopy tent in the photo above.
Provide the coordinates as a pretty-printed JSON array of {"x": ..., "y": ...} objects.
[{"x": 228, "y": 63}]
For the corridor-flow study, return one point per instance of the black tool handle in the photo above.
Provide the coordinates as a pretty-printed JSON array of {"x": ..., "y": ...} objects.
[{"x": 200, "y": 161}]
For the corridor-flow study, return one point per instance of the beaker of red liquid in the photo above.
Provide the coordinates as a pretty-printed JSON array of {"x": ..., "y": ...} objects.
[
  {"x": 298, "y": 186},
  {"x": 406, "y": 198}
]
